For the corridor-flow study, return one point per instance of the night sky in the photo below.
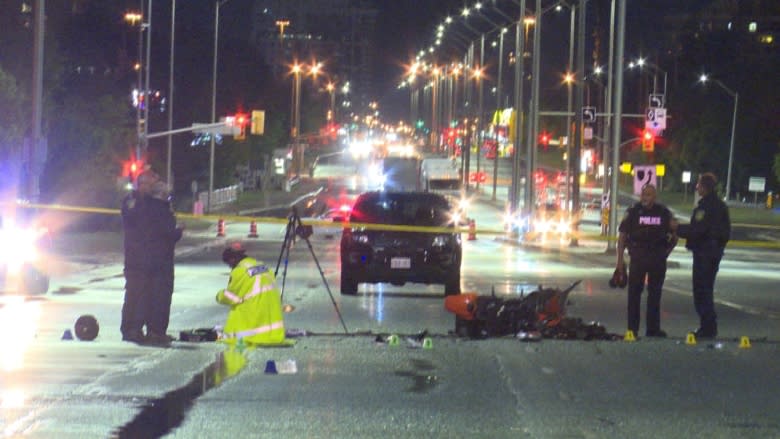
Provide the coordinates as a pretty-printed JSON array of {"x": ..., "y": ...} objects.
[{"x": 406, "y": 26}]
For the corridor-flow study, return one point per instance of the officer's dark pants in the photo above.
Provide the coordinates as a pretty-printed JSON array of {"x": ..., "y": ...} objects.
[
  {"x": 706, "y": 261},
  {"x": 137, "y": 289},
  {"x": 159, "y": 305},
  {"x": 650, "y": 263},
  {"x": 147, "y": 302}
]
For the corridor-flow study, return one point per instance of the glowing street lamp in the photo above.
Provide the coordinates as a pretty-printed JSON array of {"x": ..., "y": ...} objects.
[
  {"x": 133, "y": 17},
  {"x": 297, "y": 69}
]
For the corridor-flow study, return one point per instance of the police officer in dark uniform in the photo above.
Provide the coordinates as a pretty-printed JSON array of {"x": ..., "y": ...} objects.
[
  {"x": 646, "y": 230},
  {"x": 706, "y": 236},
  {"x": 150, "y": 234},
  {"x": 163, "y": 234}
]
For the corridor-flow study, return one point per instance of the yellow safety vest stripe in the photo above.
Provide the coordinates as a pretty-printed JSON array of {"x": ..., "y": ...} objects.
[
  {"x": 258, "y": 289},
  {"x": 232, "y": 297},
  {"x": 259, "y": 330}
]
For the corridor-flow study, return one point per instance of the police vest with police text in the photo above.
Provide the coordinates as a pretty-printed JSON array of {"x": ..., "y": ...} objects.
[{"x": 648, "y": 228}]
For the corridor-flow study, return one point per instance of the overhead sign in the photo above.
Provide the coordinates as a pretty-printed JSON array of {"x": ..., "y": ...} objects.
[
  {"x": 757, "y": 184},
  {"x": 656, "y": 119},
  {"x": 686, "y": 176},
  {"x": 657, "y": 100},
  {"x": 588, "y": 114},
  {"x": 644, "y": 175}
]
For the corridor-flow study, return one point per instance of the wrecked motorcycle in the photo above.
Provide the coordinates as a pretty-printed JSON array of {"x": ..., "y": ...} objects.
[{"x": 538, "y": 314}]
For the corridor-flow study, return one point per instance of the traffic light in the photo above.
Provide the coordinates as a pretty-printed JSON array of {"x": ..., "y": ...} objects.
[
  {"x": 240, "y": 120},
  {"x": 544, "y": 139},
  {"x": 648, "y": 141},
  {"x": 132, "y": 168}
]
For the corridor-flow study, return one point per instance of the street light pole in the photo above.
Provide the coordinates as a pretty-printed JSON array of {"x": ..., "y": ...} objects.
[
  {"x": 517, "y": 134},
  {"x": 607, "y": 125},
  {"x": 569, "y": 139},
  {"x": 214, "y": 101},
  {"x": 169, "y": 166},
  {"x": 576, "y": 152},
  {"x": 616, "y": 118},
  {"x": 296, "y": 101},
  {"x": 480, "y": 110},
  {"x": 641, "y": 62},
  {"x": 499, "y": 104},
  {"x": 148, "y": 68},
  {"x": 434, "y": 139},
  {"x": 140, "y": 94},
  {"x": 731, "y": 146},
  {"x": 734, "y": 95},
  {"x": 534, "y": 130}
]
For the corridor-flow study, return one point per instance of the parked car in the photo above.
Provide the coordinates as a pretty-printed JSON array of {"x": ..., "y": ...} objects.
[{"x": 397, "y": 257}]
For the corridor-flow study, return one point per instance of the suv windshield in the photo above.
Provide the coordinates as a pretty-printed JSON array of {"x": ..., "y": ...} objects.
[{"x": 402, "y": 209}]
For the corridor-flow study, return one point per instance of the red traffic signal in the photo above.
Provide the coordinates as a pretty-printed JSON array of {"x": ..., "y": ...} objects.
[
  {"x": 132, "y": 168},
  {"x": 241, "y": 119},
  {"x": 544, "y": 138},
  {"x": 648, "y": 141}
]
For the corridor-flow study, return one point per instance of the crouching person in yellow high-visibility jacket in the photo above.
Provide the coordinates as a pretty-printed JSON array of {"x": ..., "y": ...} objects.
[{"x": 255, "y": 315}]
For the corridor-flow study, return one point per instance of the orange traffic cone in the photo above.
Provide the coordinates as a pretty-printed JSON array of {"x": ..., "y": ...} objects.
[
  {"x": 472, "y": 230},
  {"x": 252, "y": 230},
  {"x": 220, "y": 228}
]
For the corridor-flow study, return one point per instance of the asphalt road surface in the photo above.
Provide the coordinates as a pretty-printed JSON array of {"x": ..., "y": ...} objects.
[{"x": 348, "y": 384}]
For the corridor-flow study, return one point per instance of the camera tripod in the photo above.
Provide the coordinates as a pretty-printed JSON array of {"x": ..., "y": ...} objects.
[{"x": 296, "y": 228}]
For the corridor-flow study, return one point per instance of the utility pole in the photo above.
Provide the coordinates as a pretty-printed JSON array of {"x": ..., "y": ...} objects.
[
  {"x": 618, "y": 106},
  {"x": 578, "y": 104},
  {"x": 37, "y": 152},
  {"x": 517, "y": 135},
  {"x": 530, "y": 202},
  {"x": 169, "y": 165}
]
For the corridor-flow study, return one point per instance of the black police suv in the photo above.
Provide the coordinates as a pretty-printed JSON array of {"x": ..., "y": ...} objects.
[{"x": 369, "y": 255}]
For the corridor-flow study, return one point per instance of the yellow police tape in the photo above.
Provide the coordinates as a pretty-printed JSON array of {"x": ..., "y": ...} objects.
[{"x": 388, "y": 227}]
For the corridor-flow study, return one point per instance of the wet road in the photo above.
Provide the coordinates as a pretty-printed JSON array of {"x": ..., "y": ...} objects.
[{"x": 348, "y": 385}]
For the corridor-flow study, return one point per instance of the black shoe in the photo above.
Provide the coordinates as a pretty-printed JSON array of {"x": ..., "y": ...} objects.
[
  {"x": 158, "y": 340},
  {"x": 702, "y": 334},
  {"x": 136, "y": 337},
  {"x": 659, "y": 333}
]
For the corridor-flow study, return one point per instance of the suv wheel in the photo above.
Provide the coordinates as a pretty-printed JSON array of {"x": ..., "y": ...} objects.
[
  {"x": 348, "y": 286},
  {"x": 452, "y": 284}
]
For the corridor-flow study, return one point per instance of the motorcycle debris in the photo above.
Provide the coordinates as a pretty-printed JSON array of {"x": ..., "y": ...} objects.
[{"x": 529, "y": 336}]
